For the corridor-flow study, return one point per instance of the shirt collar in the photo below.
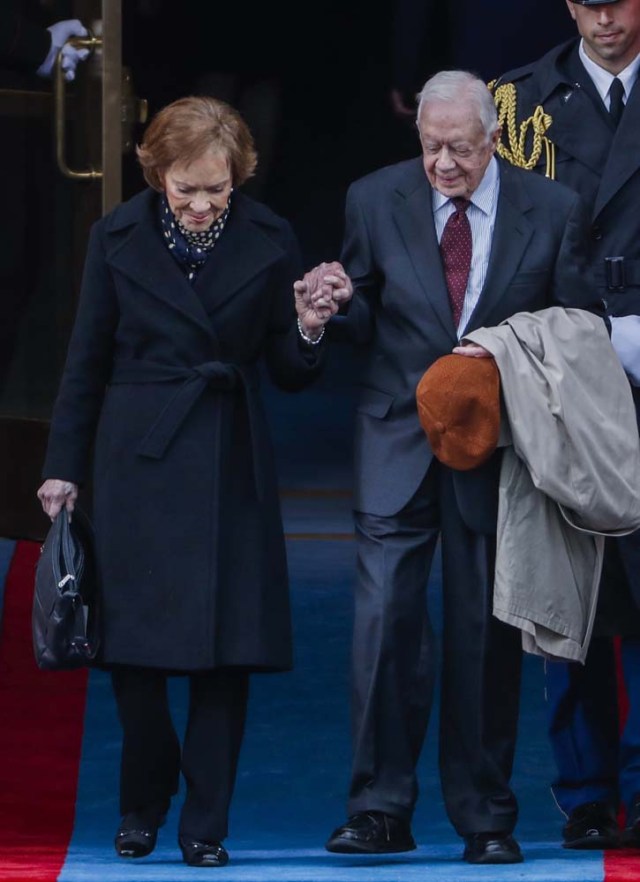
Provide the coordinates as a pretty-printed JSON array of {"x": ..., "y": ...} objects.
[
  {"x": 602, "y": 79},
  {"x": 483, "y": 197}
]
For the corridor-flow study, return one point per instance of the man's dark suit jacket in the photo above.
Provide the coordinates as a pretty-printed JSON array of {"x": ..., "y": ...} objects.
[{"x": 401, "y": 311}]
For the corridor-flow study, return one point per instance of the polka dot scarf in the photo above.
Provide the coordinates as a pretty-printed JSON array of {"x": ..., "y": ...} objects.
[{"x": 190, "y": 250}]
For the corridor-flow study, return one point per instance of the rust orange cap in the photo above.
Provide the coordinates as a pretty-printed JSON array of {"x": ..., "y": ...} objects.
[{"x": 459, "y": 409}]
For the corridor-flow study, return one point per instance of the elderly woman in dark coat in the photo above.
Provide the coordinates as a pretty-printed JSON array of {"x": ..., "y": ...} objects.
[{"x": 186, "y": 287}]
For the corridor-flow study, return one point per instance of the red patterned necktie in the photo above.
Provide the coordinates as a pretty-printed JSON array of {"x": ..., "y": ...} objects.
[{"x": 455, "y": 247}]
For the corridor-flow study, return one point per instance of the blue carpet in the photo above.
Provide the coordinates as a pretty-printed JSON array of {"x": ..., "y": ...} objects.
[
  {"x": 295, "y": 764},
  {"x": 294, "y": 768}
]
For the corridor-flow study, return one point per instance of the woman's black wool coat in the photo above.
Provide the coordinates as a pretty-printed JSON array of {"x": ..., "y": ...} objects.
[{"x": 161, "y": 382}]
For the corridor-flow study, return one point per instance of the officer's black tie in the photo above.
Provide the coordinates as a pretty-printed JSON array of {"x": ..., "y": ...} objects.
[{"x": 616, "y": 95}]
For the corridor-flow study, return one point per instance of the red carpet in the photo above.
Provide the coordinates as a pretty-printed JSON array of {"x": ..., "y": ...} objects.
[
  {"x": 40, "y": 740},
  {"x": 625, "y": 866}
]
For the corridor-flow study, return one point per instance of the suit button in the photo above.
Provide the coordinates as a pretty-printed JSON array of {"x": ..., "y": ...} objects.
[{"x": 596, "y": 233}]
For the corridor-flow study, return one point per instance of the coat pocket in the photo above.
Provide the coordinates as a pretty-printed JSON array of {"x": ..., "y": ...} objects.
[{"x": 374, "y": 403}]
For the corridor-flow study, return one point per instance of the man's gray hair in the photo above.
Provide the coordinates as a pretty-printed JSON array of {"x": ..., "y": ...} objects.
[{"x": 451, "y": 85}]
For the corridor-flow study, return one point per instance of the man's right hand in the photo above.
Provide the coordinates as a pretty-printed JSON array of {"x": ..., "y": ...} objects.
[{"x": 472, "y": 350}]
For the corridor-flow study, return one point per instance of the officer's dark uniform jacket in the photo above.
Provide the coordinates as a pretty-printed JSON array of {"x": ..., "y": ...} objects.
[{"x": 555, "y": 122}]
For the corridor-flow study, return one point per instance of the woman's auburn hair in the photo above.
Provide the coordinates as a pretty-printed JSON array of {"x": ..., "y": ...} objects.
[{"x": 186, "y": 129}]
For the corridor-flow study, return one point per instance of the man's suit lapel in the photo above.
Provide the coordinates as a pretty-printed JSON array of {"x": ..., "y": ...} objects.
[
  {"x": 569, "y": 96},
  {"x": 612, "y": 154},
  {"x": 511, "y": 235},
  {"x": 624, "y": 157},
  {"x": 413, "y": 213}
]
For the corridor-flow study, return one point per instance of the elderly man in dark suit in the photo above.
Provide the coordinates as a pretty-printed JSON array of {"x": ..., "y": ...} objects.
[
  {"x": 443, "y": 243},
  {"x": 590, "y": 140}
]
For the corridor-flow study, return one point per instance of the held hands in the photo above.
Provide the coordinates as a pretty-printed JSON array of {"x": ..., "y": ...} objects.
[
  {"x": 61, "y": 32},
  {"x": 319, "y": 295},
  {"x": 55, "y": 495}
]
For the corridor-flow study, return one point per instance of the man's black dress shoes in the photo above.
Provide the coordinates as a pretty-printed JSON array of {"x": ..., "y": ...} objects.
[
  {"x": 196, "y": 853},
  {"x": 137, "y": 834},
  {"x": 371, "y": 833},
  {"x": 631, "y": 834},
  {"x": 491, "y": 848},
  {"x": 592, "y": 825}
]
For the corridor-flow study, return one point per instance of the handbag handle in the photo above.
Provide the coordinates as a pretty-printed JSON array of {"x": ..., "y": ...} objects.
[
  {"x": 65, "y": 548},
  {"x": 71, "y": 566}
]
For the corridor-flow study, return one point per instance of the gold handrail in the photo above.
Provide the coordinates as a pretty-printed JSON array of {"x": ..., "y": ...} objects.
[{"x": 91, "y": 43}]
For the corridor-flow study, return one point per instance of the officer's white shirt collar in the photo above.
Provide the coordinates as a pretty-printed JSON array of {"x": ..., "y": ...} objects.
[
  {"x": 602, "y": 79},
  {"x": 483, "y": 197}
]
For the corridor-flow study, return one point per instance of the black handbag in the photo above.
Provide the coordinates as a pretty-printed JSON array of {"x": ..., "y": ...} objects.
[{"x": 65, "y": 618}]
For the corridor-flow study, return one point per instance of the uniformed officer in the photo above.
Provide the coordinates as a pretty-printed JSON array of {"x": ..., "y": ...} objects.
[
  {"x": 577, "y": 119},
  {"x": 27, "y": 46}
]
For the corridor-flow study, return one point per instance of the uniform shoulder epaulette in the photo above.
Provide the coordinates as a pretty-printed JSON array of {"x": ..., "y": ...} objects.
[{"x": 529, "y": 134}]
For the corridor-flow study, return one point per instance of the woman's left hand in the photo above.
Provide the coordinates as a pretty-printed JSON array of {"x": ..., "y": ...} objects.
[{"x": 55, "y": 495}]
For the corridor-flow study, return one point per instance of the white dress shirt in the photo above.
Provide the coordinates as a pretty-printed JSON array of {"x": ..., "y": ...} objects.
[
  {"x": 602, "y": 79},
  {"x": 482, "y": 218}
]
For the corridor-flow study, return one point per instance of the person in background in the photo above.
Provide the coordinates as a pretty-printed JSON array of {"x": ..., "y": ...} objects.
[
  {"x": 29, "y": 47},
  {"x": 485, "y": 38},
  {"x": 435, "y": 247},
  {"x": 586, "y": 94},
  {"x": 420, "y": 46},
  {"x": 247, "y": 72},
  {"x": 187, "y": 287}
]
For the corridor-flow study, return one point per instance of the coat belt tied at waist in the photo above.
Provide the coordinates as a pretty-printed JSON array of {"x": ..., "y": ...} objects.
[{"x": 218, "y": 375}]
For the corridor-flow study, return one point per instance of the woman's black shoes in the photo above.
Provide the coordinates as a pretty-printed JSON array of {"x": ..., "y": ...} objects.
[
  {"x": 138, "y": 832},
  {"x": 203, "y": 854}
]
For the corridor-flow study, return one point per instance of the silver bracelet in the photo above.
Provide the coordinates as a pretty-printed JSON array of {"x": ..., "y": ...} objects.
[{"x": 308, "y": 339}]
